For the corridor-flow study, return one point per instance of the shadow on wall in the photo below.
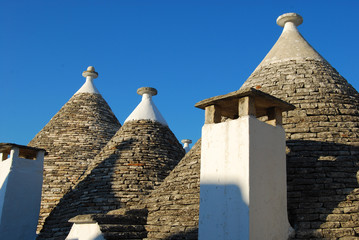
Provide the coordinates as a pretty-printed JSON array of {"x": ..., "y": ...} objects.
[
  {"x": 323, "y": 194},
  {"x": 322, "y": 189},
  {"x": 223, "y": 212},
  {"x": 92, "y": 195},
  {"x": 224, "y": 203}
]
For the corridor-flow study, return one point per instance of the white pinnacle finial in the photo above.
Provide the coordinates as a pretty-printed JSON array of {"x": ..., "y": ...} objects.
[
  {"x": 295, "y": 18},
  {"x": 186, "y": 143},
  {"x": 89, "y": 87}
]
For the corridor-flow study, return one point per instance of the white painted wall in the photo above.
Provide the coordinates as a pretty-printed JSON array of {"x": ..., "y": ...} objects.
[
  {"x": 268, "y": 182},
  {"x": 243, "y": 181},
  {"x": 20, "y": 196},
  {"x": 224, "y": 179},
  {"x": 85, "y": 231}
]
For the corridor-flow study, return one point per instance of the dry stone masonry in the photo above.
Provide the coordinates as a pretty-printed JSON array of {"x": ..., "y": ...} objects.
[
  {"x": 322, "y": 151},
  {"x": 134, "y": 162},
  {"x": 173, "y": 208},
  {"x": 73, "y": 137},
  {"x": 322, "y": 142},
  {"x": 322, "y": 145},
  {"x": 131, "y": 191}
]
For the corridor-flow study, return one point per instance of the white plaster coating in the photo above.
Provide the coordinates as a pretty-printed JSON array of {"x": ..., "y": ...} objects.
[
  {"x": 268, "y": 182},
  {"x": 290, "y": 45},
  {"x": 243, "y": 181},
  {"x": 224, "y": 181},
  {"x": 89, "y": 86},
  {"x": 85, "y": 231},
  {"x": 186, "y": 143},
  {"x": 147, "y": 109},
  {"x": 20, "y": 195}
]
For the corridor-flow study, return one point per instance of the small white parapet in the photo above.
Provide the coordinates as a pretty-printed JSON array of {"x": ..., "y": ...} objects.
[
  {"x": 21, "y": 174},
  {"x": 243, "y": 168},
  {"x": 84, "y": 228}
]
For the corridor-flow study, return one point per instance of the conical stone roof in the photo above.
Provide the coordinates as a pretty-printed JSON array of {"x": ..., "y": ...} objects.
[
  {"x": 173, "y": 208},
  {"x": 73, "y": 137},
  {"x": 322, "y": 145},
  {"x": 322, "y": 135},
  {"x": 133, "y": 163}
]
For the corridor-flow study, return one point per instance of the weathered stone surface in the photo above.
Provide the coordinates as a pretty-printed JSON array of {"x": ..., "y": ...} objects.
[
  {"x": 322, "y": 144},
  {"x": 322, "y": 158},
  {"x": 133, "y": 163},
  {"x": 73, "y": 137},
  {"x": 174, "y": 206},
  {"x": 322, "y": 165}
]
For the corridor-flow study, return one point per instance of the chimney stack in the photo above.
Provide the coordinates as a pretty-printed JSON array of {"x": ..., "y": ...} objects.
[
  {"x": 21, "y": 170},
  {"x": 243, "y": 192}
]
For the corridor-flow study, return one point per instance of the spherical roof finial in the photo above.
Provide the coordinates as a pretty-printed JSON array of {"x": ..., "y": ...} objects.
[
  {"x": 91, "y": 69},
  {"x": 289, "y": 17},
  {"x": 90, "y": 72}
]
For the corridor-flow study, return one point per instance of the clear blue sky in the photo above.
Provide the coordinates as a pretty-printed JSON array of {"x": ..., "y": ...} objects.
[{"x": 188, "y": 50}]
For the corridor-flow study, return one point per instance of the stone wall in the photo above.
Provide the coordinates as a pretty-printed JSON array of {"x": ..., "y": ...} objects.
[
  {"x": 322, "y": 158},
  {"x": 173, "y": 208},
  {"x": 322, "y": 146},
  {"x": 134, "y": 162},
  {"x": 73, "y": 137}
]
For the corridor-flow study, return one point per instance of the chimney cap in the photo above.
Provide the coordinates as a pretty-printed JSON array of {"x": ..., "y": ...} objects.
[
  {"x": 186, "y": 141},
  {"x": 90, "y": 72},
  {"x": 148, "y": 90},
  {"x": 289, "y": 17},
  {"x": 26, "y": 151}
]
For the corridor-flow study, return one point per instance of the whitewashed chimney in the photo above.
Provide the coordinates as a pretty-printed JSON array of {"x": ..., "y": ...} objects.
[
  {"x": 243, "y": 168},
  {"x": 21, "y": 171}
]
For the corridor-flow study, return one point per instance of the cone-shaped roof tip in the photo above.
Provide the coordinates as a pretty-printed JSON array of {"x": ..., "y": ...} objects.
[
  {"x": 289, "y": 17},
  {"x": 291, "y": 44},
  {"x": 148, "y": 90},
  {"x": 89, "y": 86},
  {"x": 147, "y": 109}
]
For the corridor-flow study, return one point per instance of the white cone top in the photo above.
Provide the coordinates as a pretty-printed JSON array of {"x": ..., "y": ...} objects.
[
  {"x": 88, "y": 86},
  {"x": 186, "y": 143},
  {"x": 291, "y": 44},
  {"x": 146, "y": 109}
]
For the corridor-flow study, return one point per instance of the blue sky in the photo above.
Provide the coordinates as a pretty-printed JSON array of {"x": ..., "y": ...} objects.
[{"x": 187, "y": 50}]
